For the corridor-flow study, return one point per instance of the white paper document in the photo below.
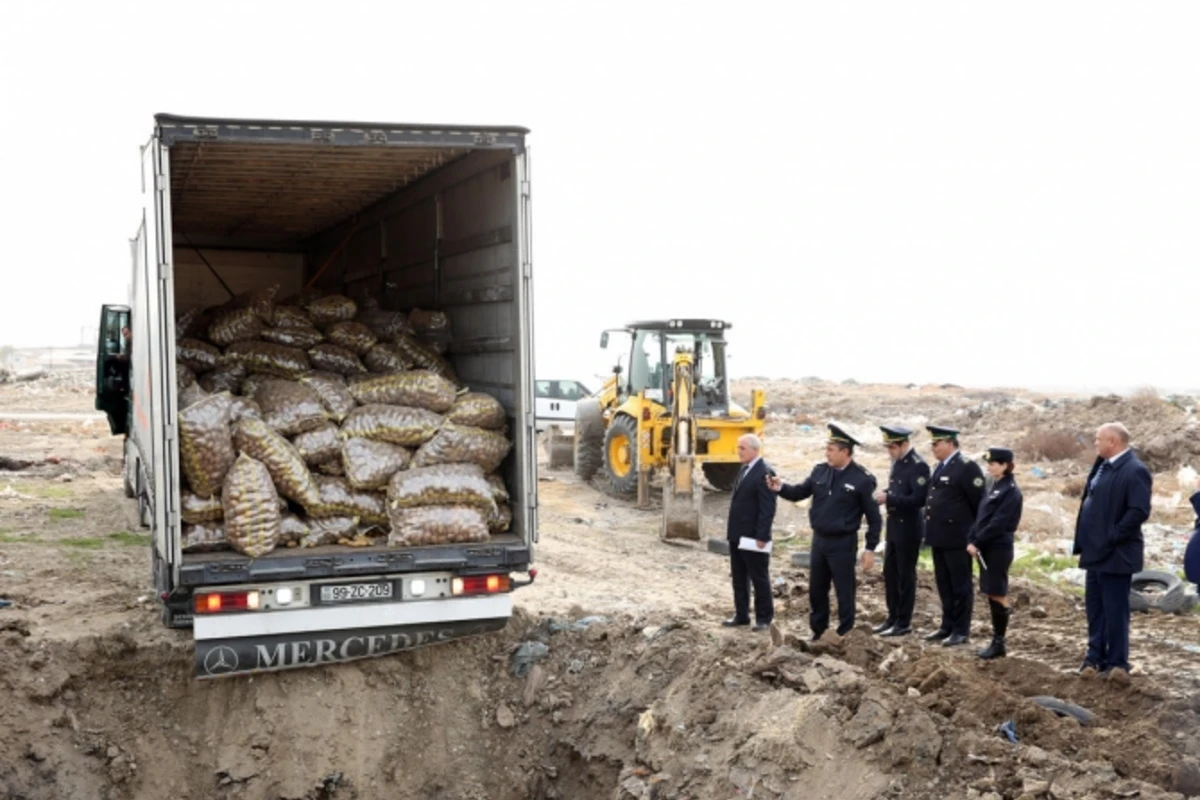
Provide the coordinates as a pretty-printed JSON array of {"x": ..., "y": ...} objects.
[{"x": 750, "y": 543}]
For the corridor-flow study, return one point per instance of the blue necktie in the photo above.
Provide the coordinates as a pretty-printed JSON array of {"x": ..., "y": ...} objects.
[{"x": 1096, "y": 479}]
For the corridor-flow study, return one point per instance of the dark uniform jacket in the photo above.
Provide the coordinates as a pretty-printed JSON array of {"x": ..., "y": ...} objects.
[
  {"x": 1108, "y": 531},
  {"x": 907, "y": 489},
  {"x": 752, "y": 506},
  {"x": 999, "y": 514},
  {"x": 841, "y": 498},
  {"x": 955, "y": 493},
  {"x": 1191, "y": 557}
]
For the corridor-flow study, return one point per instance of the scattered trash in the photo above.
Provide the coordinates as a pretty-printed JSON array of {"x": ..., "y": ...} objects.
[
  {"x": 558, "y": 626},
  {"x": 805, "y": 428},
  {"x": 1038, "y": 472},
  {"x": 1008, "y": 730},
  {"x": 5, "y": 603},
  {"x": 526, "y": 655}
]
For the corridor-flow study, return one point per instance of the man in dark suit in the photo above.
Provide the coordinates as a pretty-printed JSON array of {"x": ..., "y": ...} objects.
[
  {"x": 1108, "y": 541},
  {"x": 843, "y": 492},
  {"x": 905, "y": 500},
  {"x": 955, "y": 492},
  {"x": 751, "y": 512}
]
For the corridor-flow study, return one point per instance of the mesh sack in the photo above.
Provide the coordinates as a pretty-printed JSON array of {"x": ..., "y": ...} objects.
[
  {"x": 386, "y": 358},
  {"x": 227, "y": 377},
  {"x": 205, "y": 446},
  {"x": 369, "y": 465},
  {"x": 463, "y": 444},
  {"x": 184, "y": 323},
  {"x": 255, "y": 438},
  {"x": 241, "y": 408},
  {"x": 251, "y": 383},
  {"x": 427, "y": 525},
  {"x": 269, "y": 359},
  {"x": 251, "y": 508},
  {"x": 319, "y": 445},
  {"x": 329, "y": 531},
  {"x": 200, "y": 357},
  {"x": 427, "y": 322},
  {"x": 409, "y": 427},
  {"x": 499, "y": 489},
  {"x": 260, "y": 301},
  {"x": 204, "y": 538},
  {"x": 289, "y": 407},
  {"x": 354, "y": 336},
  {"x": 190, "y": 395},
  {"x": 424, "y": 356},
  {"x": 338, "y": 499},
  {"x": 418, "y": 389},
  {"x": 331, "y": 389},
  {"x": 442, "y": 485},
  {"x": 334, "y": 308},
  {"x": 384, "y": 324},
  {"x": 195, "y": 509},
  {"x": 303, "y": 338},
  {"x": 331, "y": 358},
  {"x": 192, "y": 325},
  {"x": 478, "y": 410},
  {"x": 238, "y": 325},
  {"x": 292, "y": 530},
  {"x": 331, "y": 468},
  {"x": 501, "y": 521},
  {"x": 290, "y": 317},
  {"x": 184, "y": 377}
]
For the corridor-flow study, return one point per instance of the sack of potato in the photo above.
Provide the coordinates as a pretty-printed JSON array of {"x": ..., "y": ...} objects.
[
  {"x": 205, "y": 445},
  {"x": 426, "y": 525},
  {"x": 370, "y": 465},
  {"x": 441, "y": 485},
  {"x": 251, "y": 508},
  {"x": 416, "y": 389},
  {"x": 463, "y": 444}
]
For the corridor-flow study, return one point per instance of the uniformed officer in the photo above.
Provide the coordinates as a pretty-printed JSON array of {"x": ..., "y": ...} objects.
[
  {"x": 991, "y": 542},
  {"x": 955, "y": 491},
  {"x": 843, "y": 493},
  {"x": 904, "y": 497}
]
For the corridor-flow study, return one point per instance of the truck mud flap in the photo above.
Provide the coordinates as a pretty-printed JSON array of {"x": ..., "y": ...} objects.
[{"x": 247, "y": 655}]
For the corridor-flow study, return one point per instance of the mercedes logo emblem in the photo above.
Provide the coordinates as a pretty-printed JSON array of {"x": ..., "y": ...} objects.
[{"x": 219, "y": 660}]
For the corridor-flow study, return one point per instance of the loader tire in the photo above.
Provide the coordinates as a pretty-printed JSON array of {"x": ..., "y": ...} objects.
[
  {"x": 721, "y": 476},
  {"x": 589, "y": 438},
  {"x": 621, "y": 455}
]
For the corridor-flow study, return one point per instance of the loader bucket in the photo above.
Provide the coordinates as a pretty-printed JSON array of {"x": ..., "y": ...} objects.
[
  {"x": 560, "y": 447},
  {"x": 682, "y": 502}
]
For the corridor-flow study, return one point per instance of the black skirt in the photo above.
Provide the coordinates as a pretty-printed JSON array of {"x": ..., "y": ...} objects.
[{"x": 994, "y": 580}]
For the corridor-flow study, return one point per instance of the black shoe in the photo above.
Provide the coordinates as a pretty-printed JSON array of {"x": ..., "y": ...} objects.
[
  {"x": 880, "y": 629},
  {"x": 1088, "y": 665},
  {"x": 734, "y": 622},
  {"x": 955, "y": 640},
  {"x": 759, "y": 627},
  {"x": 936, "y": 636},
  {"x": 994, "y": 650},
  {"x": 898, "y": 631}
]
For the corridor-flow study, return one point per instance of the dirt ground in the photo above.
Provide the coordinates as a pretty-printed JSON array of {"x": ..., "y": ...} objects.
[{"x": 633, "y": 689}]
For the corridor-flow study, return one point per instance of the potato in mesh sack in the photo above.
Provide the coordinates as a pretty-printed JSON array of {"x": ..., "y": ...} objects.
[
  {"x": 251, "y": 382},
  {"x": 329, "y": 531},
  {"x": 333, "y": 308},
  {"x": 184, "y": 377},
  {"x": 426, "y": 525},
  {"x": 269, "y": 359},
  {"x": 255, "y": 438},
  {"x": 290, "y": 407},
  {"x": 417, "y": 389},
  {"x": 227, "y": 377},
  {"x": 260, "y": 301},
  {"x": 409, "y": 427},
  {"x": 384, "y": 324},
  {"x": 442, "y": 485},
  {"x": 354, "y": 336},
  {"x": 501, "y": 521},
  {"x": 190, "y": 395},
  {"x": 238, "y": 325},
  {"x": 386, "y": 358},
  {"x": 251, "y": 508},
  {"x": 303, "y": 338},
  {"x": 319, "y": 445},
  {"x": 370, "y": 465},
  {"x": 331, "y": 388},
  {"x": 290, "y": 317},
  {"x": 292, "y": 530},
  {"x": 200, "y": 357},
  {"x": 463, "y": 444},
  {"x": 333, "y": 469},
  {"x": 478, "y": 410},
  {"x": 190, "y": 324},
  {"x": 429, "y": 322},
  {"x": 205, "y": 446},
  {"x": 338, "y": 499},
  {"x": 331, "y": 358},
  {"x": 425, "y": 357},
  {"x": 241, "y": 408},
  {"x": 204, "y": 538},
  {"x": 195, "y": 509}
]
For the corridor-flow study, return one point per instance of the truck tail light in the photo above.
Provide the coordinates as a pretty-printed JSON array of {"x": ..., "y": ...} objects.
[
  {"x": 480, "y": 584},
  {"x": 219, "y": 602}
]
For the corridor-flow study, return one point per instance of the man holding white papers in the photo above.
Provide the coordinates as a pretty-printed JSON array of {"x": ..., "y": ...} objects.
[
  {"x": 843, "y": 493},
  {"x": 751, "y": 512}
]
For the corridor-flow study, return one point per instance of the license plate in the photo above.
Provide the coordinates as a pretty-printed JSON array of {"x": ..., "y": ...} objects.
[{"x": 355, "y": 592}]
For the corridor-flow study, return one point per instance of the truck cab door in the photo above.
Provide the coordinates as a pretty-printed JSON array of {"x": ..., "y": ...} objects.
[{"x": 113, "y": 358}]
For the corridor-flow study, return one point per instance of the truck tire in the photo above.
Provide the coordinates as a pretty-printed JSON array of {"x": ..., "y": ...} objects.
[
  {"x": 1154, "y": 589},
  {"x": 621, "y": 454},
  {"x": 721, "y": 476},
  {"x": 589, "y": 438}
]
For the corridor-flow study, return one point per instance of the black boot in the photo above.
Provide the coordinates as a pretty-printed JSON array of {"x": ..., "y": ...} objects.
[{"x": 1000, "y": 615}]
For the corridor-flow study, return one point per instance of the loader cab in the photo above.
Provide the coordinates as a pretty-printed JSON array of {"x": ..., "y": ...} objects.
[
  {"x": 652, "y": 353},
  {"x": 113, "y": 357}
]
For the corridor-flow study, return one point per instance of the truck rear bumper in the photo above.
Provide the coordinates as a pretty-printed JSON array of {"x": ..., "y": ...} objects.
[{"x": 249, "y": 643}]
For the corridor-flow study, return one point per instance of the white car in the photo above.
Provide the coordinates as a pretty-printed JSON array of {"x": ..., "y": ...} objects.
[{"x": 555, "y": 402}]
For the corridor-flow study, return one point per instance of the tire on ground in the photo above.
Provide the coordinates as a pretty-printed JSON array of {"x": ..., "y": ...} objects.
[
  {"x": 1065, "y": 709},
  {"x": 1155, "y": 589},
  {"x": 589, "y": 438}
]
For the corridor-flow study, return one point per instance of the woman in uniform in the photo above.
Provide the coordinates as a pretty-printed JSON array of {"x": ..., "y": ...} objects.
[{"x": 990, "y": 542}]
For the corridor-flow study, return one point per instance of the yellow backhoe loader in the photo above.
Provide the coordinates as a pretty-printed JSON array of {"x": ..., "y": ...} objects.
[{"x": 667, "y": 406}]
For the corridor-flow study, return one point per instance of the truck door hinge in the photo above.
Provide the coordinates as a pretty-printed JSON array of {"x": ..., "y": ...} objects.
[
  {"x": 169, "y": 432},
  {"x": 525, "y": 190}
]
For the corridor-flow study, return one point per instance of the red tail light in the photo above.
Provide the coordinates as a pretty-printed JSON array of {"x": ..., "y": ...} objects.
[
  {"x": 480, "y": 584},
  {"x": 646, "y": 414},
  {"x": 218, "y": 602}
]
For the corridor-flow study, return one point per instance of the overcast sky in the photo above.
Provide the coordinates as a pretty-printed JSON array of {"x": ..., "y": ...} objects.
[{"x": 988, "y": 195}]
